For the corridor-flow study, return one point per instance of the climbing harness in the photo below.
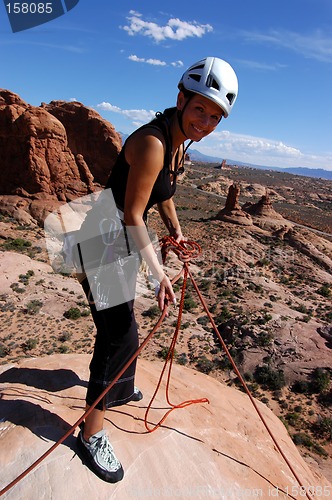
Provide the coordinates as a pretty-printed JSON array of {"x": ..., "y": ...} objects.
[{"x": 185, "y": 251}]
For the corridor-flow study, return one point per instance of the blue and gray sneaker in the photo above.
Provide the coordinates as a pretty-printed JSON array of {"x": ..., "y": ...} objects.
[{"x": 99, "y": 456}]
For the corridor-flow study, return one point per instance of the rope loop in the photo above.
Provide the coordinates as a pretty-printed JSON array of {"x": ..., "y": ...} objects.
[{"x": 185, "y": 250}]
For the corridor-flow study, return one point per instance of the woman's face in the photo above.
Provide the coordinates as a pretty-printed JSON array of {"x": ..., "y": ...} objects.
[{"x": 200, "y": 117}]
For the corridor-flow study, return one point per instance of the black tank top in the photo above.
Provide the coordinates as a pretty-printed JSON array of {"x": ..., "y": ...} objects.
[{"x": 163, "y": 189}]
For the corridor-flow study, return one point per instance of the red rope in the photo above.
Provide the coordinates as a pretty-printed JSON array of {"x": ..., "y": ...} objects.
[{"x": 170, "y": 356}]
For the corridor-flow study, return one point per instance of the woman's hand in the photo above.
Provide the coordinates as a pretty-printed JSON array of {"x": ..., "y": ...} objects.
[
  {"x": 166, "y": 294},
  {"x": 177, "y": 235}
]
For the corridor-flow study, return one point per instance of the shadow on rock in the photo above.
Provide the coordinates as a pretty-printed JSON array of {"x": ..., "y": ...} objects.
[
  {"x": 48, "y": 380},
  {"x": 42, "y": 422}
]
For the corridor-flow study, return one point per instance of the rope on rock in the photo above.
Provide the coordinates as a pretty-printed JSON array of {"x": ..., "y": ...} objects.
[{"x": 185, "y": 251}]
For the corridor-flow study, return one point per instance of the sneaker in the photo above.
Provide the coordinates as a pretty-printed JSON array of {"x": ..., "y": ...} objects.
[
  {"x": 137, "y": 395},
  {"x": 99, "y": 456}
]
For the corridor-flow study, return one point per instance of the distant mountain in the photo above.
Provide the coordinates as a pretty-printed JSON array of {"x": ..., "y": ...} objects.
[{"x": 307, "y": 172}]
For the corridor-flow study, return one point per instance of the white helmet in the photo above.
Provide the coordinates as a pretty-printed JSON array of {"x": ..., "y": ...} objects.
[{"x": 212, "y": 78}]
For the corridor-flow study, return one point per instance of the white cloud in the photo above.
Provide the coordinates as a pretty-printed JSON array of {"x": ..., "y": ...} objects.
[
  {"x": 175, "y": 29},
  {"x": 153, "y": 62},
  {"x": 261, "y": 66},
  {"x": 316, "y": 45},
  {"x": 137, "y": 115},
  {"x": 177, "y": 64},
  {"x": 260, "y": 151}
]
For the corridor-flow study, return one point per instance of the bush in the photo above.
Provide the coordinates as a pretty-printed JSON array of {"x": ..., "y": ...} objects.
[
  {"x": 264, "y": 339},
  {"x": 163, "y": 353},
  {"x": 4, "y": 351},
  {"x": 72, "y": 313},
  {"x": 272, "y": 379},
  {"x": 323, "y": 428},
  {"x": 320, "y": 380},
  {"x": 182, "y": 359},
  {"x": 189, "y": 302},
  {"x": 325, "y": 290},
  {"x": 152, "y": 312},
  {"x": 33, "y": 307},
  {"x": 204, "y": 364},
  {"x": 301, "y": 387},
  {"x": 293, "y": 418},
  {"x": 17, "y": 244},
  {"x": 30, "y": 344},
  {"x": 301, "y": 439},
  {"x": 325, "y": 399},
  {"x": 64, "y": 336}
]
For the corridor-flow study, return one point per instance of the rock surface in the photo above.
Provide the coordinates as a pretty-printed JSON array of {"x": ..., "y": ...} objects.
[
  {"x": 48, "y": 155},
  {"x": 88, "y": 133},
  {"x": 264, "y": 215},
  {"x": 223, "y": 444}
]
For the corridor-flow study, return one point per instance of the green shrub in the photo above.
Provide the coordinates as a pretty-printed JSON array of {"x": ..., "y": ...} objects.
[
  {"x": 65, "y": 336},
  {"x": 182, "y": 359},
  {"x": 17, "y": 244},
  {"x": 293, "y": 418},
  {"x": 320, "y": 380},
  {"x": 63, "y": 349},
  {"x": 272, "y": 379},
  {"x": 325, "y": 290},
  {"x": 33, "y": 307},
  {"x": 325, "y": 399},
  {"x": 204, "y": 364},
  {"x": 72, "y": 313},
  {"x": 152, "y": 312},
  {"x": 189, "y": 302},
  {"x": 16, "y": 288},
  {"x": 301, "y": 387},
  {"x": 264, "y": 339},
  {"x": 163, "y": 352},
  {"x": 4, "y": 351},
  {"x": 323, "y": 428},
  {"x": 30, "y": 344}
]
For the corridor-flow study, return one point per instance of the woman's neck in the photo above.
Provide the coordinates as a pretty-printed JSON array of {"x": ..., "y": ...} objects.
[{"x": 178, "y": 137}]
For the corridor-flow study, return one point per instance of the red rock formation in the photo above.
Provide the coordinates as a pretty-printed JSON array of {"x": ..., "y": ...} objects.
[
  {"x": 35, "y": 154},
  {"x": 88, "y": 135},
  {"x": 265, "y": 216},
  {"x": 263, "y": 208},
  {"x": 232, "y": 211},
  {"x": 51, "y": 154}
]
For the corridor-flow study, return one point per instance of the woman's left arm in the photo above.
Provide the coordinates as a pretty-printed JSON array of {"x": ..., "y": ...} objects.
[{"x": 169, "y": 216}]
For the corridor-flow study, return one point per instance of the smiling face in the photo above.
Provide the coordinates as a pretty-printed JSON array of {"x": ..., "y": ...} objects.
[{"x": 200, "y": 115}]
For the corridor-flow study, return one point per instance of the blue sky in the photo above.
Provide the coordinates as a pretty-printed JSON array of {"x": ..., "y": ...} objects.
[{"x": 125, "y": 59}]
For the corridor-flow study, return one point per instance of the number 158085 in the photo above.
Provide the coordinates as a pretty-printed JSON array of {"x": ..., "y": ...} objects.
[{"x": 29, "y": 8}]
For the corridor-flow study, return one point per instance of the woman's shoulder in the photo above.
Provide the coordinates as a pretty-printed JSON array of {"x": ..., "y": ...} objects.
[
  {"x": 158, "y": 127},
  {"x": 147, "y": 136}
]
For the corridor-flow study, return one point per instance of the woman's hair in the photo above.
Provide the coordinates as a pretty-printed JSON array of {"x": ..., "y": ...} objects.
[{"x": 187, "y": 93}]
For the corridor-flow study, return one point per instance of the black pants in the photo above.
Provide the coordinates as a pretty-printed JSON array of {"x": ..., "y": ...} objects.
[{"x": 116, "y": 342}]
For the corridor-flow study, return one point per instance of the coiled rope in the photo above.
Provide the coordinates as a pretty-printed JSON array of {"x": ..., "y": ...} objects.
[{"x": 185, "y": 251}]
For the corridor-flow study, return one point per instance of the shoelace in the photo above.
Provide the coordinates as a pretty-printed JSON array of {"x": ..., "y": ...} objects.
[{"x": 106, "y": 451}]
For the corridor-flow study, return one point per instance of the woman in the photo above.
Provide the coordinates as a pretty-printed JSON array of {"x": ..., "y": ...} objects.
[{"x": 145, "y": 175}]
